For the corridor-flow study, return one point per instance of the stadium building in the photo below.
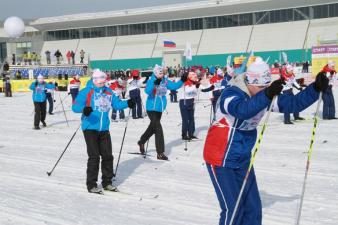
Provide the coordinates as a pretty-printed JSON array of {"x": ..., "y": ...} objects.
[{"x": 140, "y": 38}]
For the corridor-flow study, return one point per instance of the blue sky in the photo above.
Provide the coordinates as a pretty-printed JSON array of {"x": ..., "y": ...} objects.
[{"x": 31, "y": 9}]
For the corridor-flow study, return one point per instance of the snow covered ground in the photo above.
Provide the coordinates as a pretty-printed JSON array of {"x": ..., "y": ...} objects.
[{"x": 177, "y": 192}]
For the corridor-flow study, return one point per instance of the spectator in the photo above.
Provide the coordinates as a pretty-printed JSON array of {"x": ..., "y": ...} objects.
[
  {"x": 47, "y": 56},
  {"x": 58, "y": 55},
  {"x": 68, "y": 55},
  {"x": 25, "y": 57},
  {"x": 13, "y": 59},
  {"x": 6, "y": 67},
  {"x": 72, "y": 54},
  {"x": 82, "y": 55}
]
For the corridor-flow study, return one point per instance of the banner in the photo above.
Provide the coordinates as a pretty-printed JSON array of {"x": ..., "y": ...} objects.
[
  {"x": 23, "y": 85},
  {"x": 321, "y": 55}
]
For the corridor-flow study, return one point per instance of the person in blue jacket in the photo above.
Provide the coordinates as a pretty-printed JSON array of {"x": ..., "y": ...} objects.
[
  {"x": 156, "y": 89},
  {"x": 95, "y": 102},
  {"x": 232, "y": 136},
  {"x": 39, "y": 87}
]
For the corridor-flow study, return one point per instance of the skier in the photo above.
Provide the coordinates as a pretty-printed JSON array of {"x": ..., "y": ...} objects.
[
  {"x": 216, "y": 87},
  {"x": 134, "y": 92},
  {"x": 329, "y": 109},
  {"x": 94, "y": 102},
  {"x": 232, "y": 136},
  {"x": 74, "y": 87},
  {"x": 117, "y": 88},
  {"x": 39, "y": 87},
  {"x": 156, "y": 89},
  {"x": 50, "y": 95},
  {"x": 290, "y": 82},
  {"x": 187, "y": 106}
]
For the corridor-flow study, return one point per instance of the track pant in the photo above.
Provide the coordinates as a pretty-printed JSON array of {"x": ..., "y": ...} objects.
[
  {"x": 8, "y": 90},
  {"x": 188, "y": 119},
  {"x": 227, "y": 183},
  {"x": 137, "y": 109},
  {"x": 287, "y": 114},
  {"x": 50, "y": 102},
  {"x": 173, "y": 96},
  {"x": 154, "y": 127},
  {"x": 40, "y": 112},
  {"x": 99, "y": 145},
  {"x": 329, "y": 109},
  {"x": 74, "y": 92}
]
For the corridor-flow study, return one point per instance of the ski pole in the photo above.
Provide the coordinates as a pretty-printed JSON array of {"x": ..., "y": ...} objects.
[
  {"x": 309, "y": 155},
  {"x": 186, "y": 145},
  {"x": 124, "y": 135},
  {"x": 207, "y": 105},
  {"x": 252, "y": 160},
  {"x": 50, "y": 173},
  {"x": 145, "y": 111},
  {"x": 60, "y": 101},
  {"x": 63, "y": 108},
  {"x": 210, "y": 115}
]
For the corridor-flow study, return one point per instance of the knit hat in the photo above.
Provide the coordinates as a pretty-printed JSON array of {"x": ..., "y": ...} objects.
[
  {"x": 99, "y": 77},
  {"x": 40, "y": 78},
  {"x": 258, "y": 73},
  {"x": 135, "y": 73},
  {"x": 158, "y": 70}
]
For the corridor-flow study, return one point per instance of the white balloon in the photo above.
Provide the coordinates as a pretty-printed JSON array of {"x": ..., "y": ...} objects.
[{"x": 14, "y": 27}]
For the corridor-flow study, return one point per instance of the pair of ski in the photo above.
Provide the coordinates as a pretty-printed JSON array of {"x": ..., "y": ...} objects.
[{"x": 118, "y": 192}]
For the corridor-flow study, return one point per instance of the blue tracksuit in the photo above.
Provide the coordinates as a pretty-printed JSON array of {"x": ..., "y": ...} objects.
[
  {"x": 101, "y": 100},
  {"x": 229, "y": 142},
  {"x": 157, "y": 100},
  {"x": 287, "y": 114},
  {"x": 329, "y": 109},
  {"x": 39, "y": 90}
]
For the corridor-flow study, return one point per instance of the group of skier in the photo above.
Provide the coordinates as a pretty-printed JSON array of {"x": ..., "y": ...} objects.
[{"x": 239, "y": 102}]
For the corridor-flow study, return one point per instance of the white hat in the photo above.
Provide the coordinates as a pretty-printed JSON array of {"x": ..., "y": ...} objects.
[
  {"x": 219, "y": 72},
  {"x": 331, "y": 64},
  {"x": 158, "y": 70},
  {"x": 258, "y": 73},
  {"x": 99, "y": 77},
  {"x": 40, "y": 77}
]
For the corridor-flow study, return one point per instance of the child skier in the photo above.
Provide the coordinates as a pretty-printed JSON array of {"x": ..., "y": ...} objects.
[
  {"x": 134, "y": 85},
  {"x": 39, "y": 87},
  {"x": 74, "y": 87},
  {"x": 156, "y": 90},
  {"x": 329, "y": 109},
  {"x": 232, "y": 136},
  {"x": 94, "y": 102}
]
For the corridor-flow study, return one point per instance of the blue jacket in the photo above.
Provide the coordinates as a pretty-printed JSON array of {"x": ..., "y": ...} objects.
[
  {"x": 157, "y": 100},
  {"x": 101, "y": 100},
  {"x": 233, "y": 134},
  {"x": 225, "y": 81},
  {"x": 39, "y": 90}
]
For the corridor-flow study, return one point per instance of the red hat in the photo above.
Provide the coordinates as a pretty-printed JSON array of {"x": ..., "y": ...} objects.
[{"x": 135, "y": 73}]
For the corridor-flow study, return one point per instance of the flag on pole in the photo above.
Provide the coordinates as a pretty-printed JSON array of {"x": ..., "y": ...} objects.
[
  {"x": 188, "y": 51},
  {"x": 169, "y": 44}
]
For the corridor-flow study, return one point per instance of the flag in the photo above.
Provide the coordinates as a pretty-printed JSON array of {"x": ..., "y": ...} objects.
[
  {"x": 169, "y": 44},
  {"x": 188, "y": 51}
]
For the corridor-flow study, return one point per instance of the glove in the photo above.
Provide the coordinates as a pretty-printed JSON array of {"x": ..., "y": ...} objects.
[
  {"x": 131, "y": 103},
  {"x": 184, "y": 77},
  {"x": 158, "y": 81},
  {"x": 54, "y": 100},
  {"x": 274, "y": 89},
  {"x": 87, "y": 110},
  {"x": 321, "y": 83},
  {"x": 68, "y": 93}
]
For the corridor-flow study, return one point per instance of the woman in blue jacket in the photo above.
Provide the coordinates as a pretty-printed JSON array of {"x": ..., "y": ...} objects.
[
  {"x": 156, "y": 89},
  {"x": 39, "y": 88},
  {"x": 95, "y": 102}
]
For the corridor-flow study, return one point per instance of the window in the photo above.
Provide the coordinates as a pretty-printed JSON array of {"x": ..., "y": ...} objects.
[
  {"x": 210, "y": 22},
  {"x": 97, "y": 32},
  {"x": 196, "y": 24},
  {"x": 112, "y": 31},
  {"x": 245, "y": 19},
  {"x": 151, "y": 28},
  {"x": 74, "y": 34},
  {"x": 321, "y": 11},
  {"x": 124, "y": 30},
  {"x": 137, "y": 29},
  {"x": 166, "y": 26},
  {"x": 262, "y": 17},
  {"x": 333, "y": 10},
  {"x": 228, "y": 21},
  {"x": 86, "y": 33},
  {"x": 301, "y": 13},
  {"x": 180, "y": 25}
]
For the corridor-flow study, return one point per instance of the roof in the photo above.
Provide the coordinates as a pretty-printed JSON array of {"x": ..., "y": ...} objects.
[{"x": 168, "y": 12}]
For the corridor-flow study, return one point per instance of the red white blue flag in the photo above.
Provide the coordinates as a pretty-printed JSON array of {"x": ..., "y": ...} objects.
[{"x": 169, "y": 44}]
